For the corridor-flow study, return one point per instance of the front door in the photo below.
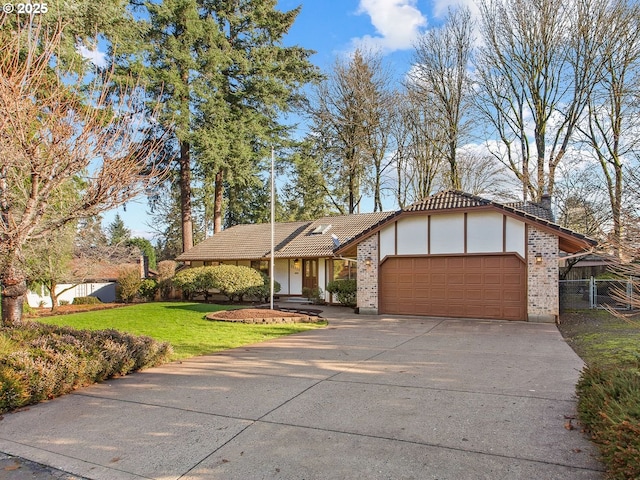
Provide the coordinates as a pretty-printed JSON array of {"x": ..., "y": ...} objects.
[{"x": 310, "y": 273}]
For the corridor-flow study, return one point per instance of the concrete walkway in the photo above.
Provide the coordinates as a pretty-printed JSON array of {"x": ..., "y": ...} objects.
[{"x": 365, "y": 398}]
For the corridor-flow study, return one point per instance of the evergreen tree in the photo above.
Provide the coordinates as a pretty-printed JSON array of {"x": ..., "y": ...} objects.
[
  {"x": 305, "y": 194},
  {"x": 172, "y": 49},
  {"x": 224, "y": 79},
  {"x": 117, "y": 232},
  {"x": 258, "y": 80}
]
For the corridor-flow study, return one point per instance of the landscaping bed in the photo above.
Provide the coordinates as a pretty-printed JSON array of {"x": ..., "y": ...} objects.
[
  {"x": 609, "y": 386},
  {"x": 260, "y": 316},
  {"x": 67, "y": 309},
  {"x": 39, "y": 362}
]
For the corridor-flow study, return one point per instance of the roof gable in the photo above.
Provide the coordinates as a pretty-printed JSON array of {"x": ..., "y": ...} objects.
[{"x": 452, "y": 200}]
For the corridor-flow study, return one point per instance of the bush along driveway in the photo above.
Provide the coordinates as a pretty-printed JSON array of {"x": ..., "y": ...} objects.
[{"x": 609, "y": 387}]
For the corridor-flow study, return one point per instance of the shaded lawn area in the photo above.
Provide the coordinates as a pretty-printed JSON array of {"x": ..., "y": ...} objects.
[
  {"x": 601, "y": 339},
  {"x": 180, "y": 323}
]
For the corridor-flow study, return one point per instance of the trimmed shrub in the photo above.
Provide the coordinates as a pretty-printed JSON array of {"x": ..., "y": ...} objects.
[
  {"x": 83, "y": 301},
  {"x": 345, "y": 290},
  {"x": 46, "y": 361},
  {"x": 314, "y": 294},
  {"x": 609, "y": 407},
  {"x": 129, "y": 282},
  {"x": 234, "y": 281},
  {"x": 148, "y": 289},
  {"x": 230, "y": 280},
  {"x": 262, "y": 292},
  {"x": 194, "y": 281}
]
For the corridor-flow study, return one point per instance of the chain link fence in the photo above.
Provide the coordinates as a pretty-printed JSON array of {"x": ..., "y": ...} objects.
[{"x": 591, "y": 293}]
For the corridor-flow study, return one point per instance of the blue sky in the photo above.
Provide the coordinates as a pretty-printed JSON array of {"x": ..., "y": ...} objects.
[{"x": 334, "y": 28}]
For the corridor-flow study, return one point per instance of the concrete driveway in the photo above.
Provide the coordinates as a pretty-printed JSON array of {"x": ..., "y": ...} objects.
[{"x": 365, "y": 398}]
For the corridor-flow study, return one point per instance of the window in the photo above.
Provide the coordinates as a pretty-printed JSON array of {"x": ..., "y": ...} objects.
[
  {"x": 321, "y": 229},
  {"x": 261, "y": 266},
  {"x": 344, "y": 269}
]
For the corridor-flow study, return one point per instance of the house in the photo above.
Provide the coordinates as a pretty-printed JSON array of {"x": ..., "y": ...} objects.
[
  {"x": 303, "y": 253},
  {"x": 451, "y": 254}
]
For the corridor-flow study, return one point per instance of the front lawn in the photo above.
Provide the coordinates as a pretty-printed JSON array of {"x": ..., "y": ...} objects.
[
  {"x": 182, "y": 324},
  {"x": 609, "y": 387}
]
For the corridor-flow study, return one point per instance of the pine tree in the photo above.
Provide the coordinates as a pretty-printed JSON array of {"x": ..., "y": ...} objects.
[
  {"x": 224, "y": 79},
  {"x": 117, "y": 233}
]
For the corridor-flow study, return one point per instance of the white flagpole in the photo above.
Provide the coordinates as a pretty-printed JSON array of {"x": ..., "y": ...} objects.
[{"x": 273, "y": 214}]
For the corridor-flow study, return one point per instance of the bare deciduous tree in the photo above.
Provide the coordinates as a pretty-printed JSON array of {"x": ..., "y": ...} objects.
[
  {"x": 611, "y": 130},
  {"x": 53, "y": 134},
  {"x": 417, "y": 158},
  {"x": 479, "y": 174},
  {"x": 579, "y": 199},
  {"x": 350, "y": 114},
  {"x": 537, "y": 66},
  {"x": 440, "y": 78}
]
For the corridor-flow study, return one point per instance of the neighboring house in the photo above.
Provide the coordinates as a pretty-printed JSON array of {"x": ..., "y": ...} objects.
[
  {"x": 93, "y": 277},
  {"x": 103, "y": 290},
  {"x": 587, "y": 266},
  {"x": 450, "y": 255}
]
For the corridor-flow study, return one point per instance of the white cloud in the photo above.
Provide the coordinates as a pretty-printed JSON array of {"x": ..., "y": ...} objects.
[
  {"x": 441, "y": 7},
  {"x": 397, "y": 22},
  {"x": 98, "y": 58}
]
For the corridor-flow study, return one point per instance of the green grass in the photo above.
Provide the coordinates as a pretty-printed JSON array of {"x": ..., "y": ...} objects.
[
  {"x": 601, "y": 339},
  {"x": 181, "y": 324}
]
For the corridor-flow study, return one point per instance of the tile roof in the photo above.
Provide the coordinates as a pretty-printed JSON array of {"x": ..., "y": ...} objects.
[
  {"x": 453, "y": 199},
  {"x": 244, "y": 242},
  {"x": 301, "y": 239},
  {"x": 293, "y": 239},
  {"x": 447, "y": 200},
  {"x": 345, "y": 227},
  {"x": 532, "y": 208}
]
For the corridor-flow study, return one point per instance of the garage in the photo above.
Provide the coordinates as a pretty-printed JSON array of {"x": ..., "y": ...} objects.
[{"x": 468, "y": 286}]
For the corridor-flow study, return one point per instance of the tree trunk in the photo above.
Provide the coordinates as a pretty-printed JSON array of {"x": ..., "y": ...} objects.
[
  {"x": 14, "y": 291},
  {"x": 616, "y": 210},
  {"x": 217, "y": 207},
  {"x": 54, "y": 296},
  {"x": 185, "y": 197}
]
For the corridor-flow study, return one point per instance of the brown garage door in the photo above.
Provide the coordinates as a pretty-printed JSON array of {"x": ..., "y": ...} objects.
[{"x": 471, "y": 286}]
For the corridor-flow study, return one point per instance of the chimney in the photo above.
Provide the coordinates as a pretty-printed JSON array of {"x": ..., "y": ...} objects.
[{"x": 545, "y": 202}]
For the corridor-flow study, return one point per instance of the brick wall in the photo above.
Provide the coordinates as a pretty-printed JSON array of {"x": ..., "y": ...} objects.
[
  {"x": 368, "y": 276},
  {"x": 543, "y": 286}
]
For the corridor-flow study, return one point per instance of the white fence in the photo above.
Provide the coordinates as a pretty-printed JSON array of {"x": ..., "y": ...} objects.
[{"x": 105, "y": 291}]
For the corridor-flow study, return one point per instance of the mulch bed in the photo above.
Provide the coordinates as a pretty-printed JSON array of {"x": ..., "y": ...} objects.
[
  {"x": 67, "y": 309},
  {"x": 260, "y": 316}
]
